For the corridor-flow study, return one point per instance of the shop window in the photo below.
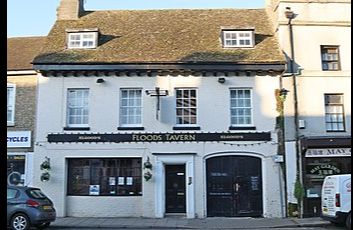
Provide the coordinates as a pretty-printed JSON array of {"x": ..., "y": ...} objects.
[
  {"x": 105, "y": 177},
  {"x": 10, "y": 104},
  {"x": 77, "y": 107},
  {"x": 317, "y": 168},
  {"x": 16, "y": 169},
  {"x": 240, "y": 107},
  {"x": 334, "y": 113},
  {"x": 186, "y": 107},
  {"x": 131, "y": 108}
]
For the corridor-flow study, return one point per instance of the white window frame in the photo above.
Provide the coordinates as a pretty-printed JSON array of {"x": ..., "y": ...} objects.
[
  {"x": 11, "y": 104},
  {"x": 82, "y": 40},
  {"x": 190, "y": 107},
  {"x": 130, "y": 108},
  {"x": 243, "y": 107},
  {"x": 238, "y": 38},
  {"x": 333, "y": 117},
  {"x": 75, "y": 106}
]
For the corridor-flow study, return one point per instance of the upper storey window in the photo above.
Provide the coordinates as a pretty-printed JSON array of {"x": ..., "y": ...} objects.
[
  {"x": 82, "y": 39},
  {"x": 330, "y": 58},
  {"x": 238, "y": 38}
]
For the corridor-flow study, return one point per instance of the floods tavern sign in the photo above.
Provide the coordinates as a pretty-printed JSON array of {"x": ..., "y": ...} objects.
[{"x": 159, "y": 137}]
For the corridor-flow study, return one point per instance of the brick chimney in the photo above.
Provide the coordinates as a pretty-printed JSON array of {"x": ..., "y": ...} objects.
[{"x": 69, "y": 9}]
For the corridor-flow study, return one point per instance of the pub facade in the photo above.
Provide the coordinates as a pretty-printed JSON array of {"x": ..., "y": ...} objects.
[{"x": 150, "y": 113}]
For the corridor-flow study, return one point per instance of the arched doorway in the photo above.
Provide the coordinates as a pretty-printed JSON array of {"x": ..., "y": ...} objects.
[{"x": 234, "y": 186}]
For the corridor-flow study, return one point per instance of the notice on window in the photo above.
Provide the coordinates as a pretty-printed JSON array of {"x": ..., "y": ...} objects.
[
  {"x": 112, "y": 181},
  {"x": 129, "y": 180},
  {"x": 94, "y": 190},
  {"x": 121, "y": 180}
]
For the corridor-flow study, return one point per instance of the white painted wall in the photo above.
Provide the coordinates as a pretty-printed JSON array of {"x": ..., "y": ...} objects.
[{"x": 213, "y": 116}]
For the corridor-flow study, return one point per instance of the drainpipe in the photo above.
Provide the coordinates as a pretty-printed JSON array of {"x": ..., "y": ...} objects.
[{"x": 290, "y": 15}]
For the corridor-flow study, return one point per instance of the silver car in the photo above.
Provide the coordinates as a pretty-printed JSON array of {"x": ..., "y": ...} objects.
[{"x": 28, "y": 207}]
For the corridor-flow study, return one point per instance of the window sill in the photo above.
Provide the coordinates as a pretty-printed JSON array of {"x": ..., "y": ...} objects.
[
  {"x": 131, "y": 128},
  {"x": 242, "y": 128},
  {"x": 10, "y": 123},
  {"x": 77, "y": 128},
  {"x": 186, "y": 128}
]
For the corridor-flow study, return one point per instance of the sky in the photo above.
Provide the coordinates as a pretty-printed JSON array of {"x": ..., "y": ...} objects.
[{"x": 36, "y": 17}]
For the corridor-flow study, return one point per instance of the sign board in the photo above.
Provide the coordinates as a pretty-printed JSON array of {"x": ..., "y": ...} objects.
[
  {"x": 160, "y": 137},
  {"x": 330, "y": 152},
  {"x": 18, "y": 139}
]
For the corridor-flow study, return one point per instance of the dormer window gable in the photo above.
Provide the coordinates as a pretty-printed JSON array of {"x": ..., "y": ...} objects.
[
  {"x": 82, "y": 38},
  {"x": 238, "y": 38}
]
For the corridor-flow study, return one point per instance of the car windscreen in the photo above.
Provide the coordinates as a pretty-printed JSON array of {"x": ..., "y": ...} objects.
[{"x": 36, "y": 194}]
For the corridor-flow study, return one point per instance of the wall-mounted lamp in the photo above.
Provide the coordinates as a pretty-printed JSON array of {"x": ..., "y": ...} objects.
[
  {"x": 283, "y": 92},
  {"x": 100, "y": 80},
  {"x": 289, "y": 13},
  {"x": 221, "y": 80}
]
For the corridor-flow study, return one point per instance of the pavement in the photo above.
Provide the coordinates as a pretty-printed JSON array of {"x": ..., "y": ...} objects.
[{"x": 183, "y": 223}]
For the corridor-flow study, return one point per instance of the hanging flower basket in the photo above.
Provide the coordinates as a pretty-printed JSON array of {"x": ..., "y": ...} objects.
[
  {"x": 147, "y": 176},
  {"x": 147, "y": 165},
  {"x": 45, "y": 165},
  {"x": 45, "y": 177}
]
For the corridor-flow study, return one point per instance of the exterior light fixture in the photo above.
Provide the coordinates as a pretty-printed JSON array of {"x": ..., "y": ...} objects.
[
  {"x": 289, "y": 13},
  {"x": 100, "y": 80},
  {"x": 221, "y": 80},
  {"x": 283, "y": 92}
]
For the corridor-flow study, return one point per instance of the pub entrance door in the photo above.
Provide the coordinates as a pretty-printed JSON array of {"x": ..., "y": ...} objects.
[
  {"x": 234, "y": 186},
  {"x": 175, "y": 189}
]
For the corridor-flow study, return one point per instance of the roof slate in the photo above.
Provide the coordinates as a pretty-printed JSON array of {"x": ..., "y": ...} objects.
[
  {"x": 164, "y": 36},
  {"x": 22, "y": 50}
]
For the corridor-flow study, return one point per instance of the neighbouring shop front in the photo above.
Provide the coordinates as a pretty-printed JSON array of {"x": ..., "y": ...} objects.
[
  {"x": 322, "y": 157},
  {"x": 19, "y": 158}
]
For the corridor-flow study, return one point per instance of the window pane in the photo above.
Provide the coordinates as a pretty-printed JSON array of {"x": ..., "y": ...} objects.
[
  {"x": 240, "y": 110},
  {"x": 186, "y": 105},
  {"x": 131, "y": 107},
  {"x": 115, "y": 176},
  {"x": 77, "y": 107}
]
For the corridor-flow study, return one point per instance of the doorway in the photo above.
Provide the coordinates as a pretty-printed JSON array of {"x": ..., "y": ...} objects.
[
  {"x": 234, "y": 186},
  {"x": 175, "y": 189}
]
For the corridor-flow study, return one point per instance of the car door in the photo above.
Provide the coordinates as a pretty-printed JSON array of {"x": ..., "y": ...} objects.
[{"x": 12, "y": 195}]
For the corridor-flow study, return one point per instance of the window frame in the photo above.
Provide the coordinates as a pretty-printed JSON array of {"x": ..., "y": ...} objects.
[
  {"x": 81, "y": 40},
  {"x": 237, "y": 39},
  {"x": 251, "y": 124},
  {"x": 176, "y": 108},
  {"x": 328, "y": 115},
  {"x": 82, "y": 125},
  {"x": 327, "y": 62},
  {"x": 12, "y": 98},
  {"x": 127, "y": 125},
  {"x": 116, "y": 170}
]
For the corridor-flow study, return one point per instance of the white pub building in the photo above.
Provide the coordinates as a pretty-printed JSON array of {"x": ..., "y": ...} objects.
[{"x": 159, "y": 112}]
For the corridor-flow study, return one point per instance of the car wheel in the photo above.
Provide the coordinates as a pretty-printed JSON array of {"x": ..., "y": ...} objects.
[
  {"x": 43, "y": 225},
  {"x": 348, "y": 221},
  {"x": 20, "y": 221}
]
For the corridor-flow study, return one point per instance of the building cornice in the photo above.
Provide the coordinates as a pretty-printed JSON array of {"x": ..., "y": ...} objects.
[{"x": 160, "y": 69}]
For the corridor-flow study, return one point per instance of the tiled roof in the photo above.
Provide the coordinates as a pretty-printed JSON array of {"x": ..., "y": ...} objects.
[
  {"x": 22, "y": 50},
  {"x": 164, "y": 36}
]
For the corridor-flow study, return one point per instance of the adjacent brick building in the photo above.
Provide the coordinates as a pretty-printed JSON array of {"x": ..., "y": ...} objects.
[{"x": 21, "y": 107}]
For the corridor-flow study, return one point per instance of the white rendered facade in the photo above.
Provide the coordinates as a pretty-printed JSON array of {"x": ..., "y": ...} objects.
[
  {"x": 315, "y": 24},
  {"x": 213, "y": 115}
]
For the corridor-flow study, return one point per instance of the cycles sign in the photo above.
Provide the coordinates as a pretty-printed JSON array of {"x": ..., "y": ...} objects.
[{"x": 18, "y": 139}]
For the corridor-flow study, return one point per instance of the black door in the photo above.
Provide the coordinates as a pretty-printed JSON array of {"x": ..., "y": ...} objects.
[
  {"x": 175, "y": 188},
  {"x": 234, "y": 186}
]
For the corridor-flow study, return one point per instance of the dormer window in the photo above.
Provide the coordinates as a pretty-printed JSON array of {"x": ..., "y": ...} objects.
[
  {"x": 238, "y": 38},
  {"x": 82, "y": 39}
]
